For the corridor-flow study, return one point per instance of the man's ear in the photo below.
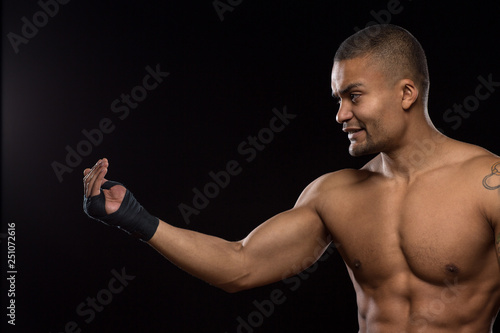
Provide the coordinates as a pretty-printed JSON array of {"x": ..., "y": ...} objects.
[{"x": 409, "y": 93}]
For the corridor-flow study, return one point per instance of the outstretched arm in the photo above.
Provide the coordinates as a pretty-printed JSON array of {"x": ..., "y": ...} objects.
[{"x": 280, "y": 247}]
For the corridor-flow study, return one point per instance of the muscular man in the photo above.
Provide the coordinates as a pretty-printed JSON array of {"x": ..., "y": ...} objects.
[{"x": 416, "y": 226}]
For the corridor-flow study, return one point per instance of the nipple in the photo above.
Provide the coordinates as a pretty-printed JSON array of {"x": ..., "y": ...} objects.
[
  {"x": 357, "y": 264},
  {"x": 450, "y": 268}
]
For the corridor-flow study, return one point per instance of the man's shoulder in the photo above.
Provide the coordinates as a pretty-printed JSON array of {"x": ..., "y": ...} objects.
[
  {"x": 477, "y": 170},
  {"x": 474, "y": 159},
  {"x": 338, "y": 180},
  {"x": 481, "y": 177},
  {"x": 330, "y": 183}
]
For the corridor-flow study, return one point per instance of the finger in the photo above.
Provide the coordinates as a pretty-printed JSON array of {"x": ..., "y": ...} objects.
[
  {"x": 98, "y": 178},
  {"x": 97, "y": 181},
  {"x": 104, "y": 169},
  {"x": 94, "y": 178},
  {"x": 90, "y": 178},
  {"x": 104, "y": 162},
  {"x": 86, "y": 172}
]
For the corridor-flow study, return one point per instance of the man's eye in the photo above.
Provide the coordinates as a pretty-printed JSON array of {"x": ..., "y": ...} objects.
[{"x": 354, "y": 97}]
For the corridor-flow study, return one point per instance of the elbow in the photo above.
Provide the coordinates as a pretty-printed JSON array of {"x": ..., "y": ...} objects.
[
  {"x": 234, "y": 286},
  {"x": 231, "y": 289},
  {"x": 240, "y": 276}
]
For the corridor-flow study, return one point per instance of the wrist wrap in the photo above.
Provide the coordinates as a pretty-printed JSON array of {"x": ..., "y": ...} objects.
[{"x": 130, "y": 217}]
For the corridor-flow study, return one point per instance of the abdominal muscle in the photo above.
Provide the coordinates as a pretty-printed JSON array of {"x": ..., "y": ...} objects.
[{"x": 404, "y": 303}]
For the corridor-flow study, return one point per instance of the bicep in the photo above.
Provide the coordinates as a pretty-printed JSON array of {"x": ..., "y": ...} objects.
[{"x": 284, "y": 245}]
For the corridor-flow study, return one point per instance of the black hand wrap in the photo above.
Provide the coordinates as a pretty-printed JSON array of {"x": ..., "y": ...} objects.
[{"x": 130, "y": 217}]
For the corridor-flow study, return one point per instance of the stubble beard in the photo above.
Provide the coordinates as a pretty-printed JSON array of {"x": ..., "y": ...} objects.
[
  {"x": 367, "y": 147},
  {"x": 360, "y": 149}
]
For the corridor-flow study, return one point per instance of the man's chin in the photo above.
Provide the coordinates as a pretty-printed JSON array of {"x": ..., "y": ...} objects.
[{"x": 357, "y": 151}]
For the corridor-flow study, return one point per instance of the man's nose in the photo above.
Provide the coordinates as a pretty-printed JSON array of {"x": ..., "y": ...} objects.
[{"x": 344, "y": 113}]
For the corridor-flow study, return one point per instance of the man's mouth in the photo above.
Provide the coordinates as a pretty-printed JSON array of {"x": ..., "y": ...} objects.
[{"x": 353, "y": 134}]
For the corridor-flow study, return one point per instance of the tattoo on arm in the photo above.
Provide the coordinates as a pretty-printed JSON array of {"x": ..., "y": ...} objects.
[
  {"x": 488, "y": 184},
  {"x": 495, "y": 171}
]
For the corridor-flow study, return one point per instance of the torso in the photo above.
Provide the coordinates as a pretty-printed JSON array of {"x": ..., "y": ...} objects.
[{"x": 421, "y": 255}]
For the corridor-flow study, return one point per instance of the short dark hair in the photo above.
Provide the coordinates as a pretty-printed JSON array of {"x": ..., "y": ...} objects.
[{"x": 394, "y": 48}]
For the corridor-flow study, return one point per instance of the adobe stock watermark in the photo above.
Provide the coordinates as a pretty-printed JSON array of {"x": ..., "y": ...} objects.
[
  {"x": 248, "y": 150},
  {"x": 471, "y": 103},
  {"x": 437, "y": 306},
  {"x": 425, "y": 148},
  {"x": 88, "y": 309},
  {"x": 121, "y": 107},
  {"x": 222, "y": 7},
  {"x": 30, "y": 27},
  {"x": 265, "y": 308}
]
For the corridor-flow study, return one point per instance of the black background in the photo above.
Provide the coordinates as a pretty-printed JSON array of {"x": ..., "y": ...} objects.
[{"x": 225, "y": 79}]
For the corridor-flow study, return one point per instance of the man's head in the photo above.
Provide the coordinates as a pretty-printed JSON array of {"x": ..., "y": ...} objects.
[{"x": 379, "y": 75}]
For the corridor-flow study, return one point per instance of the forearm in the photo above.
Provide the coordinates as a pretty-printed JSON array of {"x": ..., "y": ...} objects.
[{"x": 212, "y": 259}]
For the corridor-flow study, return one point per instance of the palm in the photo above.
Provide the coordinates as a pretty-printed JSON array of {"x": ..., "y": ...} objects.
[{"x": 114, "y": 197}]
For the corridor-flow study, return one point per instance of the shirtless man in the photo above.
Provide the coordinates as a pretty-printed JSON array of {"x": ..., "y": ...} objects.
[{"x": 418, "y": 226}]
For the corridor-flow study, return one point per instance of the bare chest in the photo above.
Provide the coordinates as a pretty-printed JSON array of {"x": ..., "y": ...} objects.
[{"x": 432, "y": 230}]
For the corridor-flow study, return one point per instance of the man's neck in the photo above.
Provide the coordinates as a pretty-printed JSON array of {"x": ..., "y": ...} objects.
[{"x": 415, "y": 155}]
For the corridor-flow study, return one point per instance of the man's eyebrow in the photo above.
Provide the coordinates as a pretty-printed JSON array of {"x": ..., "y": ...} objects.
[{"x": 347, "y": 89}]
